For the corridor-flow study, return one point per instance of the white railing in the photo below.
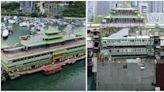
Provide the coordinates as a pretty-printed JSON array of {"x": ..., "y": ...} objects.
[{"x": 123, "y": 25}]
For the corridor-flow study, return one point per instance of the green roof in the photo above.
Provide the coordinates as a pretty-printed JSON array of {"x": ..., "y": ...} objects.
[
  {"x": 44, "y": 51},
  {"x": 53, "y": 36},
  {"x": 51, "y": 30},
  {"x": 32, "y": 43},
  {"x": 54, "y": 41}
]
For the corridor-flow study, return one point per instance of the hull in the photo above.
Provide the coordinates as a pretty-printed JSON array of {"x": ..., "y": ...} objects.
[{"x": 53, "y": 71}]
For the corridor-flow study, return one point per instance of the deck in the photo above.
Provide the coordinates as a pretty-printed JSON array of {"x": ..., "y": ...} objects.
[{"x": 36, "y": 50}]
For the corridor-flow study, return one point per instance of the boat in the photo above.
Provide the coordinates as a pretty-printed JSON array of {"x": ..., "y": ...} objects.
[
  {"x": 33, "y": 30},
  {"x": 5, "y": 33},
  {"x": 49, "y": 69},
  {"x": 12, "y": 21},
  {"x": 41, "y": 50},
  {"x": 22, "y": 24}
]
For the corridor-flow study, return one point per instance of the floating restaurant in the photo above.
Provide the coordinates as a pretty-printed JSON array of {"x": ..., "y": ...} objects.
[
  {"x": 47, "y": 51},
  {"x": 123, "y": 15}
]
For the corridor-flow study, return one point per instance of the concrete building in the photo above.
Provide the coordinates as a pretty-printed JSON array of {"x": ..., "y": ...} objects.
[
  {"x": 53, "y": 8},
  {"x": 27, "y": 6},
  {"x": 153, "y": 6},
  {"x": 91, "y": 11},
  {"x": 143, "y": 7},
  {"x": 104, "y": 7}
]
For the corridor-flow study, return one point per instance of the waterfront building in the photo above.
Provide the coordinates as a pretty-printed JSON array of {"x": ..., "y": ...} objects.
[
  {"x": 42, "y": 52},
  {"x": 143, "y": 7},
  {"x": 54, "y": 8},
  {"x": 27, "y": 6}
]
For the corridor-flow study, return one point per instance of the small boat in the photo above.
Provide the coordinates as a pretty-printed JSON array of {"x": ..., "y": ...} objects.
[
  {"x": 5, "y": 33},
  {"x": 23, "y": 24},
  {"x": 12, "y": 21},
  {"x": 49, "y": 69}
]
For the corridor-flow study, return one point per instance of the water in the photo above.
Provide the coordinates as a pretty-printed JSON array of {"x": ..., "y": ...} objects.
[
  {"x": 17, "y": 32},
  {"x": 71, "y": 77}
]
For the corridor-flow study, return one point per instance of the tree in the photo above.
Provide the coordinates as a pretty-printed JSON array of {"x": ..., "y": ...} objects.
[
  {"x": 75, "y": 9},
  {"x": 10, "y": 5}
]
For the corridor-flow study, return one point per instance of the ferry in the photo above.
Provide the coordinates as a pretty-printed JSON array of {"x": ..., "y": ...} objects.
[{"x": 40, "y": 52}]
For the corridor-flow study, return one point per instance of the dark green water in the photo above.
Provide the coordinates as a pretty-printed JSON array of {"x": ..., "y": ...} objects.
[{"x": 71, "y": 77}]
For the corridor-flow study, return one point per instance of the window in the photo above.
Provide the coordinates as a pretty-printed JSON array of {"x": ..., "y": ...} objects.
[{"x": 125, "y": 66}]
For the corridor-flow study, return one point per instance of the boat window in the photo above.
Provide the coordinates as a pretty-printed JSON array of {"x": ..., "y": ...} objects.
[
  {"x": 75, "y": 47},
  {"x": 125, "y": 66}
]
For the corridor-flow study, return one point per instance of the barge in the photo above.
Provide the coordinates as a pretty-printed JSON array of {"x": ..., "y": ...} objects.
[{"x": 42, "y": 50}]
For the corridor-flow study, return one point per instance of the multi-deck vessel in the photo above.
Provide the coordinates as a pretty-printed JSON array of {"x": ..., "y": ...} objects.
[
  {"x": 119, "y": 59},
  {"x": 41, "y": 52},
  {"x": 123, "y": 15}
]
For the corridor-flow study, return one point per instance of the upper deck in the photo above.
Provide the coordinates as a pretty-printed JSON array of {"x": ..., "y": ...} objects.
[
  {"x": 38, "y": 44},
  {"x": 39, "y": 50}
]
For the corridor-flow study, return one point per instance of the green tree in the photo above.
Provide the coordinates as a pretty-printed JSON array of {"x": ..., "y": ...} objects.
[
  {"x": 10, "y": 5},
  {"x": 75, "y": 9}
]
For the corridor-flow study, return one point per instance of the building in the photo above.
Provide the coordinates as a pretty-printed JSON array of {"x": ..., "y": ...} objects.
[
  {"x": 104, "y": 7},
  {"x": 92, "y": 11},
  {"x": 27, "y": 6},
  {"x": 156, "y": 6},
  {"x": 54, "y": 8},
  {"x": 41, "y": 52},
  {"x": 143, "y": 7}
]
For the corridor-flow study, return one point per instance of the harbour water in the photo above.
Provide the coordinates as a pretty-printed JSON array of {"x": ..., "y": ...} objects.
[{"x": 71, "y": 77}]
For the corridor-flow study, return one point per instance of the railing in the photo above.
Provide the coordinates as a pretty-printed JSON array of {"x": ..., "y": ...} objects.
[
  {"x": 129, "y": 51},
  {"x": 123, "y": 25},
  {"x": 29, "y": 60},
  {"x": 127, "y": 42}
]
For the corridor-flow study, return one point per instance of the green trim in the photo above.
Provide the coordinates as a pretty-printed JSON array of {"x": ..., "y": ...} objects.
[
  {"x": 53, "y": 36},
  {"x": 46, "y": 51},
  {"x": 29, "y": 60},
  {"x": 21, "y": 66},
  {"x": 52, "y": 30}
]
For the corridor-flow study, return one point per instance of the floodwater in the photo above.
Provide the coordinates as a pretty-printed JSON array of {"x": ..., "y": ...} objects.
[{"x": 71, "y": 77}]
